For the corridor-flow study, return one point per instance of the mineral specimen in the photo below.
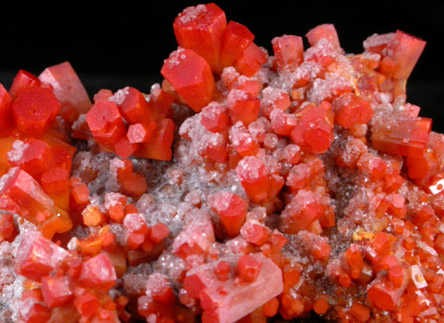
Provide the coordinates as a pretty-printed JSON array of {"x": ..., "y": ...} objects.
[{"x": 246, "y": 186}]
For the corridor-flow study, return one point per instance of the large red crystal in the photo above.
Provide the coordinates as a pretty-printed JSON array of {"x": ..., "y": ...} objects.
[
  {"x": 98, "y": 272},
  {"x": 228, "y": 301},
  {"x": 191, "y": 77},
  {"x": 68, "y": 89},
  {"x": 38, "y": 257},
  {"x": 201, "y": 29},
  {"x": 404, "y": 137},
  {"x": 34, "y": 110}
]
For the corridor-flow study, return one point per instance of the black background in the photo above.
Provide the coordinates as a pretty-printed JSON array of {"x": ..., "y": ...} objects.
[{"x": 115, "y": 45}]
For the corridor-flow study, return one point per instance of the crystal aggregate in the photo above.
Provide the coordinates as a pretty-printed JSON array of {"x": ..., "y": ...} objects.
[{"x": 247, "y": 186}]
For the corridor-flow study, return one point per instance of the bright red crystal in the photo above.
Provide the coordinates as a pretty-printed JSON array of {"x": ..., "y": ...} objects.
[
  {"x": 55, "y": 180},
  {"x": 196, "y": 238},
  {"x": 124, "y": 147},
  {"x": 303, "y": 209},
  {"x": 231, "y": 209},
  {"x": 384, "y": 295},
  {"x": 255, "y": 233},
  {"x": 228, "y": 301},
  {"x": 22, "y": 80},
  {"x": 140, "y": 132},
  {"x": 243, "y": 107},
  {"x": 253, "y": 176},
  {"x": 86, "y": 302},
  {"x": 251, "y": 60},
  {"x": 351, "y": 110},
  {"x": 68, "y": 89},
  {"x": 244, "y": 187},
  {"x": 325, "y": 31},
  {"x": 288, "y": 51},
  {"x": 33, "y": 156},
  {"x": 235, "y": 39},
  {"x": 313, "y": 130},
  {"x": 201, "y": 29},
  {"x": 105, "y": 122},
  {"x": 191, "y": 77},
  {"x": 6, "y": 226},
  {"x": 159, "y": 288},
  {"x": 38, "y": 257},
  {"x": 134, "y": 107},
  {"x": 34, "y": 110},
  {"x": 57, "y": 291},
  {"x": 33, "y": 312},
  {"x": 404, "y": 137},
  {"x": 159, "y": 146},
  {"x": 40, "y": 208},
  {"x": 90, "y": 276},
  {"x": 215, "y": 118},
  {"x": 5, "y": 111},
  {"x": 248, "y": 268}
]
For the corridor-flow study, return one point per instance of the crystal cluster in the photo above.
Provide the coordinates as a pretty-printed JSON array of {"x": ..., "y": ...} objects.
[{"x": 246, "y": 186}]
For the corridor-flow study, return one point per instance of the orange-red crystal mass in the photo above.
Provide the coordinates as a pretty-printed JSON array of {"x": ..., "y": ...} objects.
[{"x": 247, "y": 186}]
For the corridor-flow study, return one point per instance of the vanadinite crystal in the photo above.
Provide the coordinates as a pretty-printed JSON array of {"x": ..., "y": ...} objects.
[{"x": 247, "y": 186}]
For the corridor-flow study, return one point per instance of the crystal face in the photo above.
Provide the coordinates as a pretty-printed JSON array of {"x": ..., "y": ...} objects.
[{"x": 247, "y": 186}]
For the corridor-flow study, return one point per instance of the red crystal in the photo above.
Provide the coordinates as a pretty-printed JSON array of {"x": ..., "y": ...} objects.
[
  {"x": 134, "y": 107},
  {"x": 325, "y": 31},
  {"x": 235, "y": 39},
  {"x": 159, "y": 146},
  {"x": 288, "y": 51},
  {"x": 231, "y": 209},
  {"x": 37, "y": 256},
  {"x": 254, "y": 178},
  {"x": 68, "y": 89},
  {"x": 248, "y": 268},
  {"x": 215, "y": 118},
  {"x": 57, "y": 291},
  {"x": 404, "y": 137},
  {"x": 227, "y": 300},
  {"x": 351, "y": 110},
  {"x": 313, "y": 130},
  {"x": 22, "y": 80},
  {"x": 191, "y": 77},
  {"x": 201, "y": 28},
  {"x": 5, "y": 111},
  {"x": 105, "y": 122},
  {"x": 34, "y": 156},
  {"x": 251, "y": 60},
  {"x": 34, "y": 110},
  {"x": 104, "y": 278}
]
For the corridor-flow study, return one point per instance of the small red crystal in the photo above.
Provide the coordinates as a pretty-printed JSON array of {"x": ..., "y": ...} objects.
[
  {"x": 254, "y": 178},
  {"x": 235, "y": 39},
  {"x": 105, "y": 122},
  {"x": 231, "y": 209},
  {"x": 288, "y": 50}
]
